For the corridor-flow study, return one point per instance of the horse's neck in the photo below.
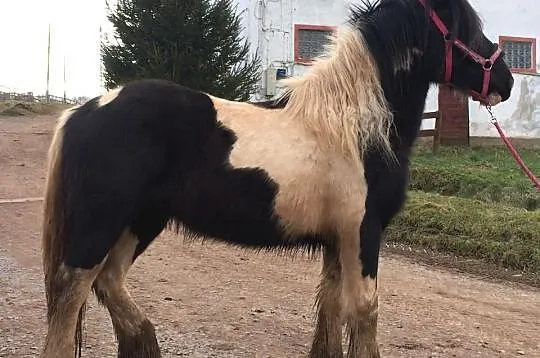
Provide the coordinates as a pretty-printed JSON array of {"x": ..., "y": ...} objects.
[
  {"x": 408, "y": 108},
  {"x": 404, "y": 80}
]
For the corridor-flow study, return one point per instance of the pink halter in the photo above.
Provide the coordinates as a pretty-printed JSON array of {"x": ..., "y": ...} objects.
[{"x": 487, "y": 63}]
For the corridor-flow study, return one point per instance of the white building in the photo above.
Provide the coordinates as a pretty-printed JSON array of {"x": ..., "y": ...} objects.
[{"x": 287, "y": 33}]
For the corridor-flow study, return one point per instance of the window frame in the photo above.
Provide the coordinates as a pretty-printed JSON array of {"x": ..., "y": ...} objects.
[
  {"x": 529, "y": 40},
  {"x": 297, "y": 28}
]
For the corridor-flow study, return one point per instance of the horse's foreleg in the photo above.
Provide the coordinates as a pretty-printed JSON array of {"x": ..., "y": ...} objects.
[
  {"x": 327, "y": 339},
  {"x": 360, "y": 296},
  {"x": 135, "y": 333},
  {"x": 362, "y": 321}
]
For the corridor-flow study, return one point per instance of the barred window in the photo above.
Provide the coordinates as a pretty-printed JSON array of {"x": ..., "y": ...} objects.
[
  {"x": 310, "y": 41},
  {"x": 520, "y": 53}
]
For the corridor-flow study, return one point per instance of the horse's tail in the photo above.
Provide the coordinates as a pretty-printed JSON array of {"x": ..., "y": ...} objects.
[{"x": 54, "y": 238}]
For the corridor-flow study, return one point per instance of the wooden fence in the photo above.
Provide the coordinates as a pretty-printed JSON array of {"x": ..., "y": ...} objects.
[
  {"x": 435, "y": 132},
  {"x": 31, "y": 98}
]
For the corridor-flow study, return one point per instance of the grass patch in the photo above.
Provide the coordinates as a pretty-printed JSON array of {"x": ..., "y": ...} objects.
[
  {"x": 502, "y": 235},
  {"x": 487, "y": 174},
  {"x": 15, "y": 108}
]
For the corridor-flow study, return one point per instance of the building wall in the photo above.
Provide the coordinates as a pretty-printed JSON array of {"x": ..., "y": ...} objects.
[
  {"x": 509, "y": 18},
  {"x": 270, "y": 24},
  {"x": 270, "y": 29},
  {"x": 519, "y": 116}
]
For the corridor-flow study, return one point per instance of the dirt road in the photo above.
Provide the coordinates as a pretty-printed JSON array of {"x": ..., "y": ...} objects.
[{"x": 209, "y": 300}]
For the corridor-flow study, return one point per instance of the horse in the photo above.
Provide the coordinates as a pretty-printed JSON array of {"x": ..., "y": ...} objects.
[{"x": 323, "y": 167}]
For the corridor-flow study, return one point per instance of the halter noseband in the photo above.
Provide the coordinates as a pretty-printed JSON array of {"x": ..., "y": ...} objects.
[{"x": 487, "y": 63}]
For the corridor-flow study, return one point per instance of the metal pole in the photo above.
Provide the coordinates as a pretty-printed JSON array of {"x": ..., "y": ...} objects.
[
  {"x": 100, "y": 74},
  {"x": 48, "y": 63},
  {"x": 65, "y": 101}
]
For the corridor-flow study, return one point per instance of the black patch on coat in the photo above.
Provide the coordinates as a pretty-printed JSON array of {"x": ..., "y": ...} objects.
[{"x": 156, "y": 155}]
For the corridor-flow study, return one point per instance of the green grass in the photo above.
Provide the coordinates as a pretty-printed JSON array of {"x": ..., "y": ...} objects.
[
  {"x": 488, "y": 174},
  {"x": 502, "y": 235},
  {"x": 474, "y": 203}
]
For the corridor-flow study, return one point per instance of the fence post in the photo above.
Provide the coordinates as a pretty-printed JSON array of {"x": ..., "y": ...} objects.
[{"x": 435, "y": 132}]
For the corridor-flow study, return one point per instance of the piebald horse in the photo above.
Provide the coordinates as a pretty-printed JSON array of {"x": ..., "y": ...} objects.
[{"x": 323, "y": 167}]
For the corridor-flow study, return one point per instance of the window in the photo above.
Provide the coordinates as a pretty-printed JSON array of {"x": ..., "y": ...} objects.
[
  {"x": 520, "y": 53},
  {"x": 310, "y": 41}
]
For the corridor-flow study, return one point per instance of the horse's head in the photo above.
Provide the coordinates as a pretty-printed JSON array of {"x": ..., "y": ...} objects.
[{"x": 458, "y": 52}]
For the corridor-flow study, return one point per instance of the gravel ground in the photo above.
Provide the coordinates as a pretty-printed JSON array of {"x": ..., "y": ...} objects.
[{"x": 210, "y": 300}]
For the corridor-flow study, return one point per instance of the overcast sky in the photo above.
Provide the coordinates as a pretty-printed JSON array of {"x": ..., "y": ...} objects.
[{"x": 74, "y": 34}]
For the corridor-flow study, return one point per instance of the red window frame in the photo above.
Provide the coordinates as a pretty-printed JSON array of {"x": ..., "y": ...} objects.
[
  {"x": 530, "y": 40},
  {"x": 297, "y": 28}
]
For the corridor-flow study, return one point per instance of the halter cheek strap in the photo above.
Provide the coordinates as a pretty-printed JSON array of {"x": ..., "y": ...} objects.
[{"x": 486, "y": 63}]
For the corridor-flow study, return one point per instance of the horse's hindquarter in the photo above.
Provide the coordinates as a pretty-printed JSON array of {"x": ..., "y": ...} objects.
[{"x": 312, "y": 181}]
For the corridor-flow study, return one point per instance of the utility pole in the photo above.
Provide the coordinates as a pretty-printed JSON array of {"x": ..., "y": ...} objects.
[
  {"x": 48, "y": 64},
  {"x": 65, "y": 99},
  {"x": 100, "y": 74}
]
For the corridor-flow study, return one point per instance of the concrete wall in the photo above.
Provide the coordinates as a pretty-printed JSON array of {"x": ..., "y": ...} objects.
[{"x": 519, "y": 116}]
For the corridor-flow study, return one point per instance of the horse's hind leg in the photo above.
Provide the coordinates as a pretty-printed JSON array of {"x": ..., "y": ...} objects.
[
  {"x": 71, "y": 287},
  {"x": 135, "y": 333},
  {"x": 327, "y": 339}
]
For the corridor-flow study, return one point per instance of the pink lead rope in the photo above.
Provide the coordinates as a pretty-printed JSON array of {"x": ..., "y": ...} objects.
[{"x": 513, "y": 151}]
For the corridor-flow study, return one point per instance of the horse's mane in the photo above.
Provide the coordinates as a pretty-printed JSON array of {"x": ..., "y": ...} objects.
[
  {"x": 466, "y": 23},
  {"x": 341, "y": 99}
]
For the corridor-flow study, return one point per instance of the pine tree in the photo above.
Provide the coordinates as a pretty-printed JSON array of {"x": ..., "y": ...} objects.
[{"x": 196, "y": 43}]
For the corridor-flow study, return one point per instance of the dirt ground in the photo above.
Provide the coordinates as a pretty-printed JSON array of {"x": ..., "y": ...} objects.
[{"x": 209, "y": 300}]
